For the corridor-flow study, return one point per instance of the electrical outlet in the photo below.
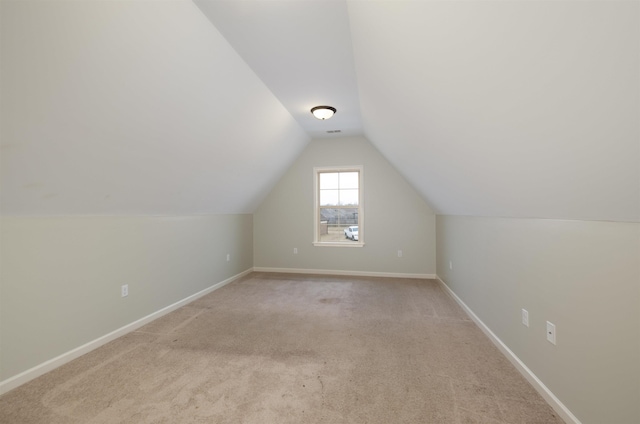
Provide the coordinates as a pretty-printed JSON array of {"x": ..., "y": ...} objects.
[
  {"x": 295, "y": 250},
  {"x": 450, "y": 265},
  {"x": 525, "y": 317},
  {"x": 399, "y": 253},
  {"x": 551, "y": 332},
  {"x": 124, "y": 290},
  {"x": 228, "y": 257}
]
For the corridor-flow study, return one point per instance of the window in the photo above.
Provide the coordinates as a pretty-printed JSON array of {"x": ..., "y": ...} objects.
[{"x": 338, "y": 218}]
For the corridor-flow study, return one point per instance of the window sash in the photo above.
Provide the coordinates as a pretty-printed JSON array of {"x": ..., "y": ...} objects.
[{"x": 321, "y": 203}]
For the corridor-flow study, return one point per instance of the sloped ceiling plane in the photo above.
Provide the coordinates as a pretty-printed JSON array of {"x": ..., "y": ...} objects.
[{"x": 510, "y": 109}]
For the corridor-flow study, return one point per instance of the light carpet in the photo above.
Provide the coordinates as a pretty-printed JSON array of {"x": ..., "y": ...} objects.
[{"x": 282, "y": 348}]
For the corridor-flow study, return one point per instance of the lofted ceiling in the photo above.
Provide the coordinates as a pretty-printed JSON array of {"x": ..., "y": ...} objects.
[
  {"x": 510, "y": 109},
  {"x": 302, "y": 51},
  {"x": 133, "y": 108},
  {"x": 519, "y": 109}
]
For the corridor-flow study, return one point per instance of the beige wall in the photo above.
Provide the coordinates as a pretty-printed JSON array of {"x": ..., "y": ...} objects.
[
  {"x": 61, "y": 277},
  {"x": 583, "y": 276},
  {"x": 395, "y": 217}
]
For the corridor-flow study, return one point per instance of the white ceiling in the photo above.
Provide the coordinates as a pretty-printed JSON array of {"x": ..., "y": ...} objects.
[
  {"x": 517, "y": 109},
  {"x": 301, "y": 50},
  {"x": 133, "y": 107},
  {"x": 523, "y": 109},
  {"x": 513, "y": 109}
]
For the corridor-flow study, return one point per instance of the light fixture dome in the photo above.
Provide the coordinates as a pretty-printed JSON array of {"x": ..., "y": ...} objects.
[{"x": 323, "y": 112}]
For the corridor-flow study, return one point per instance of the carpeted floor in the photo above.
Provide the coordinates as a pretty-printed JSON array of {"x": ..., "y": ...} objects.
[{"x": 275, "y": 348}]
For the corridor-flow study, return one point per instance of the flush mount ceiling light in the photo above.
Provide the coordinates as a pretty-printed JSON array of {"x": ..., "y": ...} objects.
[{"x": 323, "y": 112}]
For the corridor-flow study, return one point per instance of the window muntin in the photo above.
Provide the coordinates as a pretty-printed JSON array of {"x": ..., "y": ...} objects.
[{"x": 338, "y": 206}]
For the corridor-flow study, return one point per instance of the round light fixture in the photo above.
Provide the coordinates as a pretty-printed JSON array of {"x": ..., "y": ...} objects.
[{"x": 323, "y": 112}]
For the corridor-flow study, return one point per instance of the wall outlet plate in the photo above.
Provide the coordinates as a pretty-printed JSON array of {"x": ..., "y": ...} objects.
[
  {"x": 124, "y": 290},
  {"x": 525, "y": 317},
  {"x": 551, "y": 332}
]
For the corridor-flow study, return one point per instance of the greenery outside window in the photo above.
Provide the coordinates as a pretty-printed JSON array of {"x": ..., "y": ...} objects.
[{"x": 338, "y": 209}]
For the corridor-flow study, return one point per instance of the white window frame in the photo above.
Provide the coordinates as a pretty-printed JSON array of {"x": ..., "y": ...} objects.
[{"x": 316, "y": 206}]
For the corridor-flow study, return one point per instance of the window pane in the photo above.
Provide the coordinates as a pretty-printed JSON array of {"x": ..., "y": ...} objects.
[
  {"x": 329, "y": 180},
  {"x": 349, "y": 197},
  {"x": 334, "y": 222},
  {"x": 349, "y": 180},
  {"x": 329, "y": 197}
]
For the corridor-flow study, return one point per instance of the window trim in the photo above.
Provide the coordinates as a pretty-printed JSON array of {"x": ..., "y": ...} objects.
[{"x": 316, "y": 205}]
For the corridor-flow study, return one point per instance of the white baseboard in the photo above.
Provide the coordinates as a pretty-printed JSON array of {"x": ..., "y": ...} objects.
[
  {"x": 28, "y": 375},
  {"x": 544, "y": 391},
  {"x": 340, "y": 272}
]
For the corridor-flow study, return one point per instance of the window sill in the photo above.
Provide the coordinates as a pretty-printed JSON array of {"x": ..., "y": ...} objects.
[{"x": 337, "y": 244}]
